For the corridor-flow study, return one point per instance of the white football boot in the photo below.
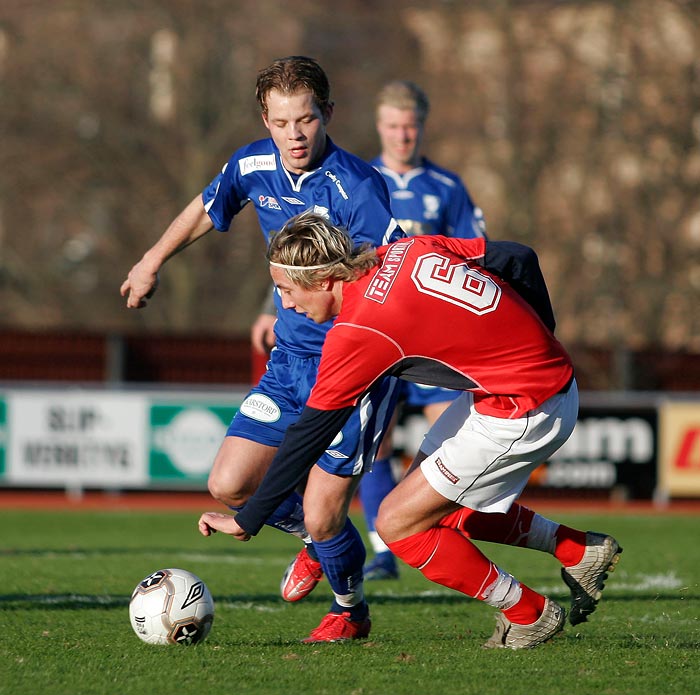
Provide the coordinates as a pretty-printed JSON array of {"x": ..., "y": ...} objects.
[
  {"x": 513, "y": 636},
  {"x": 587, "y": 579}
]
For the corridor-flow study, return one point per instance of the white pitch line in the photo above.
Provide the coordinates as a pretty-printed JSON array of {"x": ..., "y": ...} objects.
[{"x": 637, "y": 583}]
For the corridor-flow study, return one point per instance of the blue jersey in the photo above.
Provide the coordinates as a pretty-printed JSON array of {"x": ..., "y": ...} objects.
[
  {"x": 349, "y": 192},
  {"x": 432, "y": 200}
]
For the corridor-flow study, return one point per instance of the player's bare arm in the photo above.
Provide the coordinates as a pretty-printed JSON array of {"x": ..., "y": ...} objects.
[
  {"x": 142, "y": 281},
  {"x": 211, "y": 522},
  {"x": 262, "y": 333}
]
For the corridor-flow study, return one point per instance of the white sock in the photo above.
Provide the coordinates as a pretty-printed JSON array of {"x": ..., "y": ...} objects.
[
  {"x": 378, "y": 545},
  {"x": 504, "y": 592},
  {"x": 350, "y": 600},
  {"x": 543, "y": 534}
]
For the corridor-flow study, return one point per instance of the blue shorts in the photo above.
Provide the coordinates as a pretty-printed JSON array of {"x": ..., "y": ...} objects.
[
  {"x": 418, "y": 396},
  {"x": 280, "y": 396}
]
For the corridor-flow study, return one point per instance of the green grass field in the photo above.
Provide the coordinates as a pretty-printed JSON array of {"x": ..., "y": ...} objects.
[{"x": 66, "y": 578}]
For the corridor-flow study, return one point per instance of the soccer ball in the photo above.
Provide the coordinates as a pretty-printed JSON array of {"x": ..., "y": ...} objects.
[{"x": 171, "y": 606}]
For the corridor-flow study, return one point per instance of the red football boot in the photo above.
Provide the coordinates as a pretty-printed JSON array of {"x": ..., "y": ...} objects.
[
  {"x": 301, "y": 577},
  {"x": 338, "y": 627}
]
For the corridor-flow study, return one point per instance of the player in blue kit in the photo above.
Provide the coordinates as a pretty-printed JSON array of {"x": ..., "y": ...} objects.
[
  {"x": 297, "y": 168},
  {"x": 425, "y": 199}
]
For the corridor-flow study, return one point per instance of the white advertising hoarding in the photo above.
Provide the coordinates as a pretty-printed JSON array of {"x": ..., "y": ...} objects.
[{"x": 76, "y": 438}]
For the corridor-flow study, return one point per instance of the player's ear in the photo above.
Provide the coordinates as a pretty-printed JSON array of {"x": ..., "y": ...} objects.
[
  {"x": 265, "y": 119},
  {"x": 328, "y": 113}
]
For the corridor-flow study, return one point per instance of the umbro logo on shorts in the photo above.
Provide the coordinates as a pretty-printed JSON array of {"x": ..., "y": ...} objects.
[{"x": 336, "y": 454}]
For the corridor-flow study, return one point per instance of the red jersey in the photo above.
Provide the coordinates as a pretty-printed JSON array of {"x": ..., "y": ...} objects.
[
  {"x": 466, "y": 314},
  {"x": 431, "y": 313}
]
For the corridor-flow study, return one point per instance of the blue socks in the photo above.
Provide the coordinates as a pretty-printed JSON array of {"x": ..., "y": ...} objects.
[
  {"x": 342, "y": 558},
  {"x": 374, "y": 487}
]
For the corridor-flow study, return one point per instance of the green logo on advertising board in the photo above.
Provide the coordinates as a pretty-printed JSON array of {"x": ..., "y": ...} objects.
[{"x": 185, "y": 439}]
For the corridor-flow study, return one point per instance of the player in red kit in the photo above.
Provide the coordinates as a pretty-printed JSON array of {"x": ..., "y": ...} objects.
[{"x": 464, "y": 314}]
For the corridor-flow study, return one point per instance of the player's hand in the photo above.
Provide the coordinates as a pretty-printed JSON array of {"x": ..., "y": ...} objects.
[
  {"x": 140, "y": 285},
  {"x": 211, "y": 522},
  {"x": 262, "y": 333}
]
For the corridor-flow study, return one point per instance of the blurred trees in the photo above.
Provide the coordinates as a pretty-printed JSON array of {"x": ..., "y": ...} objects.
[{"x": 575, "y": 126}]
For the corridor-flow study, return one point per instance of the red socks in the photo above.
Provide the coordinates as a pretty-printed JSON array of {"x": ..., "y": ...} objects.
[
  {"x": 446, "y": 557},
  {"x": 514, "y": 528},
  {"x": 511, "y": 528},
  {"x": 571, "y": 544},
  {"x": 528, "y": 609}
]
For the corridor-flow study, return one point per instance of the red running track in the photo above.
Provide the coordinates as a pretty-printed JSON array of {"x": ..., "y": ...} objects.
[{"x": 201, "y": 501}]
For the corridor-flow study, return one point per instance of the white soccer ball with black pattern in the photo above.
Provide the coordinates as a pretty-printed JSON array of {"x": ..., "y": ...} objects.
[{"x": 171, "y": 606}]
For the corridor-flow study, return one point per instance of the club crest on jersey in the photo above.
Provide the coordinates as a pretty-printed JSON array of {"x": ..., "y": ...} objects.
[
  {"x": 431, "y": 206},
  {"x": 320, "y": 210},
  {"x": 267, "y": 201},
  {"x": 415, "y": 227},
  {"x": 381, "y": 283}
]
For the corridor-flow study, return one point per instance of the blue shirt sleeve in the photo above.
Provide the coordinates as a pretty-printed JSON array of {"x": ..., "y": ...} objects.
[
  {"x": 224, "y": 198},
  {"x": 464, "y": 219},
  {"x": 370, "y": 219}
]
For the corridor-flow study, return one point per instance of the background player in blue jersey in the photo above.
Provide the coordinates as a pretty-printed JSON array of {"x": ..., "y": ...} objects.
[
  {"x": 297, "y": 168},
  {"x": 425, "y": 199}
]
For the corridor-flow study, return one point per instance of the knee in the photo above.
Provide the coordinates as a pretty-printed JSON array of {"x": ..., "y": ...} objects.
[
  {"x": 387, "y": 525},
  {"x": 222, "y": 490},
  {"x": 323, "y": 525}
]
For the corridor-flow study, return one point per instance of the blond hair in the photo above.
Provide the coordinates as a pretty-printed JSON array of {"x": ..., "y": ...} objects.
[
  {"x": 310, "y": 249},
  {"x": 405, "y": 95}
]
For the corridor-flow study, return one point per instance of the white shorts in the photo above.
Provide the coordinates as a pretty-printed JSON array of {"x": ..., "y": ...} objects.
[{"x": 484, "y": 462}]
